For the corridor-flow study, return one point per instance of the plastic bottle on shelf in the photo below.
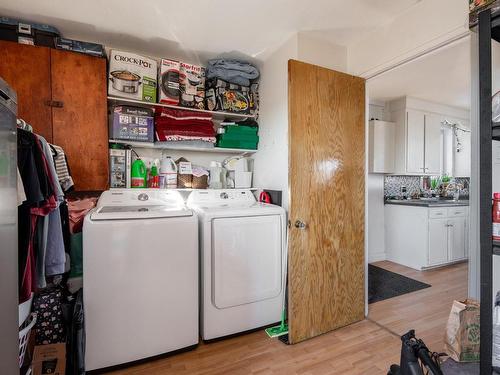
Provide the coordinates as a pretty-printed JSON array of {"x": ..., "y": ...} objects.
[
  {"x": 168, "y": 173},
  {"x": 496, "y": 216},
  {"x": 154, "y": 178}
]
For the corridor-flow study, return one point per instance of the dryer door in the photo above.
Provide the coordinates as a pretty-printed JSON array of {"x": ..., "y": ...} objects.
[{"x": 246, "y": 259}]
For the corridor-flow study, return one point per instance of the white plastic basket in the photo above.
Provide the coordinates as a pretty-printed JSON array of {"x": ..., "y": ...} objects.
[
  {"x": 24, "y": 310},
  {"x": 24, "y": 335}
]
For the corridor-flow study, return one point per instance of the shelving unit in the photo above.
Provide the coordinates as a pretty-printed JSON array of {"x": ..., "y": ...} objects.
[
  {"x": 165, "y": 146},
  {"x": 488, "y": 29},
  {"x": 215, "y": 114},
  {"x": 496, "y": 247}
]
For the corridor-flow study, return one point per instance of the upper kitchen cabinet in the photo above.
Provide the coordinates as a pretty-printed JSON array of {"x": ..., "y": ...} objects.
[
  {"x": 27, "y": 70},
  {"x": 62, "y": 95},
  {"x": 419, "y": 144},
  {"x": 381, "y": 146}
]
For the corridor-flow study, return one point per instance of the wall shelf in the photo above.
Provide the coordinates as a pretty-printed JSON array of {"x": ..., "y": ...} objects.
[
  {"x": 215, "y": 114},
  {"x": 496, "y": 247},
  {"x": 164, "y": 146}
]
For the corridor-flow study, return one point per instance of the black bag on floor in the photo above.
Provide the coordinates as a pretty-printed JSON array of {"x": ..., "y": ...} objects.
[{"x": 75, "y": 345}]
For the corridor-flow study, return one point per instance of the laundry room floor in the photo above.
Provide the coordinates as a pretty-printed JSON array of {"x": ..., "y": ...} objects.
[{"x": 367, "y": 347}]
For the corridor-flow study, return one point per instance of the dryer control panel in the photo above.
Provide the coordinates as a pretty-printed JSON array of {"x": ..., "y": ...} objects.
[{"x": 223, "y": 196}]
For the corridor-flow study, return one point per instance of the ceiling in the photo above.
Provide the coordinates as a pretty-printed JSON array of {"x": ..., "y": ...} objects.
[
  {"x": 442, "y": 77},
  {"x": 207, "y": 28}
]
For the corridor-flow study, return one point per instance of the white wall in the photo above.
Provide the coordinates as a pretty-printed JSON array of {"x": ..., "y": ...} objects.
[
  {"x": 422, "y": 27},
  {"x": 375, "y": 202},
  {"x": 271, "y": 161},
  {"x": 314, "y": 50}
]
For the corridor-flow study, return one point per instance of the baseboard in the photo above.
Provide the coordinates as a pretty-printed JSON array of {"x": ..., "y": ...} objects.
[{"x": 377, "y": 256}]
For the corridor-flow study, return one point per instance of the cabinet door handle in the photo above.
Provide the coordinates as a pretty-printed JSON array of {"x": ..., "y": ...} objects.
[{"x": 54, "y": 103}]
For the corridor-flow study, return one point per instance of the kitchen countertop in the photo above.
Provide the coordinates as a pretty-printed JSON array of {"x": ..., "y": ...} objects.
[{"x": 427, "y": 203}]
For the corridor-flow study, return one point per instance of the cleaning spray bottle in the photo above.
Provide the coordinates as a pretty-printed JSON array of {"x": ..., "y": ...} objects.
[
  {"x": 154, "y": 178},
  {"x": 138, "y": 174}
]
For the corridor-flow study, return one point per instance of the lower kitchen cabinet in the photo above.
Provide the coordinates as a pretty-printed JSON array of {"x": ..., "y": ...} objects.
[{"x": 424, "y": 237}]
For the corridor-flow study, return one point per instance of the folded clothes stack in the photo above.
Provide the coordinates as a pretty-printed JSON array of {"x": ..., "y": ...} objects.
[
  {"x": 232, "y": 86},
  {"x": 184, "y": 127},
  {"x": 242, "y": 134}
]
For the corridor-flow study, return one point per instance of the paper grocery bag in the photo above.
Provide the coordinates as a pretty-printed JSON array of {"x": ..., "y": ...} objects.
[{"x": 462, "y": 331}]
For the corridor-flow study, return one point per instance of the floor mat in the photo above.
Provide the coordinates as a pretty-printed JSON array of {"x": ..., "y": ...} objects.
[{"x": 383, "y": 284}]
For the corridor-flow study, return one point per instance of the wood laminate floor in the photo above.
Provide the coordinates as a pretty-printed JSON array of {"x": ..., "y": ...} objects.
[{"x": 367, "y": 347}]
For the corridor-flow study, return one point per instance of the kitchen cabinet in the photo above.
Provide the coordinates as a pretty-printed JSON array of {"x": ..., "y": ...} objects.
[
  {"x": 27, "y": 70},
  {"x": 438, "y": 241},
  {"x": 420, "y": 143},
  {"x": 62, "y": 95},
  {"x": 381, "y": 146},
  {"x": 415, "y": 142},
  {"x": 425, "y": 237},
  {"x": 432, "y": 144}
]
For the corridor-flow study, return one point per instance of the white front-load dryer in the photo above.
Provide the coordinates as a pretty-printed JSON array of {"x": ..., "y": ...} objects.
[
  {"x": 140, "y": 276},
  {"x": 242, "y": 255}
]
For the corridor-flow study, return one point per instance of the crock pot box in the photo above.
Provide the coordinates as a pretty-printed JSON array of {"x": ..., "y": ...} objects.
[
  {"x": 192, "y": 86},
  {"x": 168, "y": 81},
  {"x": 132, "y": 76},
  {"x": 132, "y": 124}
]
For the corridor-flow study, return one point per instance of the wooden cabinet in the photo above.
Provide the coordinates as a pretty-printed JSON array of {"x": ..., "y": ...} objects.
[
  {"x": 63, "y": 96},
  {"x": 27, "y": 70},
  {"x": 424, "y": 237},
  {"x": 381, "y": 146}
]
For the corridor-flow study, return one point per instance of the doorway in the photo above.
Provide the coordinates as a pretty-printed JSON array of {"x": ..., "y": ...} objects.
[{"x": 419, "y": 164}]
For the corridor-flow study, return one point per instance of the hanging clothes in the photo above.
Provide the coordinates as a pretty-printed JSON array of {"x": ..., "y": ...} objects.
[
  {"x": 40, "y": 200},
  {"x": 42, "y": 250},
  {"x": 52, "y": 251},
  {"x": 62, "y": 168}
]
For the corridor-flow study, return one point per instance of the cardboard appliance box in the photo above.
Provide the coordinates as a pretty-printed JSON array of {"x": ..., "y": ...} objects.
[
  {"x": 49, "y": 359},
  {"x": 132, "y": 124},
  {"x": 192, "y": 86},
  {"x": 132, "y": 76},
  {"x": 168, "y": 81}
]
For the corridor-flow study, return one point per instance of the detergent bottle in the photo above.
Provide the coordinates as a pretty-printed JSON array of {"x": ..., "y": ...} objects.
[
  {"x": 168, "y": 173},
  {"x": 138, "y": 174}
]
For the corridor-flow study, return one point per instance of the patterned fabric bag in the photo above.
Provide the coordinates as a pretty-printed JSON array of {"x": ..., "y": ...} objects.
[{"x": 50, "y": 326}]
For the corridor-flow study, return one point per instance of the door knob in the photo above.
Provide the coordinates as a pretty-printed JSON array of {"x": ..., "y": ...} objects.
[{"x": 300, "y": 224}]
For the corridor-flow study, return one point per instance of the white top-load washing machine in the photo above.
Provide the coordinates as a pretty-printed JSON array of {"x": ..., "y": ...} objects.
[
  {"x": 242, "y": 255},
  {"x": 140, "y": 276}
]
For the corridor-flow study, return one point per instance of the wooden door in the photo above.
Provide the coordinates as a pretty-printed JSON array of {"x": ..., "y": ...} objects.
[
  {"x": 327, "y": 190},
  {"x": 27, "y": 70},
  {"x": 433, "y": 151},
  {"x": 80, "y": 124},
  {"x": 456, "y": 238},
  {"x": 438, "y": 241},
  {"x": 415, "y": 140}
]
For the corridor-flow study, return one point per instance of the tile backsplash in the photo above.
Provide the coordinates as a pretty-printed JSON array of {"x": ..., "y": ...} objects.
[{"x": 393, "y": 184}]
